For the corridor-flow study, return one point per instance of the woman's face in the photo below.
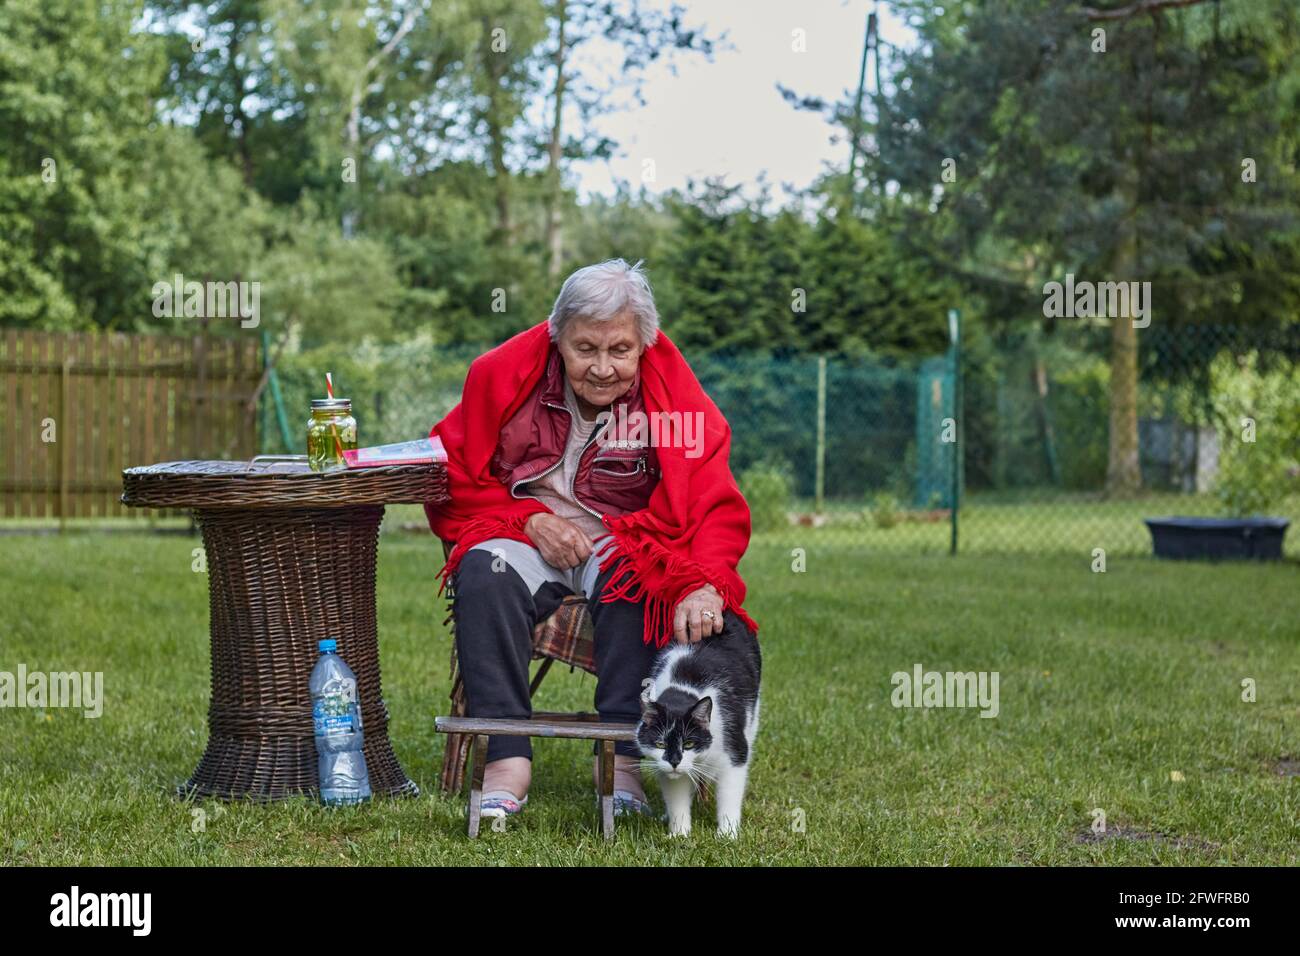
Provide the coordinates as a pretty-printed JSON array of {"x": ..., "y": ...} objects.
[{"x": 600, "y": 359}]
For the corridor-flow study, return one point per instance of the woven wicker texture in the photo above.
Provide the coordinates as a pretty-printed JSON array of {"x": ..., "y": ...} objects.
[
  {"x": 214, "y": 484},
  {"x": 291, "y": 559}
]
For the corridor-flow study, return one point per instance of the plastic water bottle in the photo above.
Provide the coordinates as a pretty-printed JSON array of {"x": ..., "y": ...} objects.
[{"x": 336, "y": 712}]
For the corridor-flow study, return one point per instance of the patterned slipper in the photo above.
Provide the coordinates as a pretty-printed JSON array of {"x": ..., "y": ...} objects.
[{"x": 500, "y": 803}]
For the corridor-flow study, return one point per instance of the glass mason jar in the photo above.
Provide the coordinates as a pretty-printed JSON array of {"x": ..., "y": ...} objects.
[{"x": 330, "y": 431}]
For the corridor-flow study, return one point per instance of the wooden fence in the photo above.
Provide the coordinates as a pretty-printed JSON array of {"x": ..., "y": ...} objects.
[{"x": 80, "y": 407}]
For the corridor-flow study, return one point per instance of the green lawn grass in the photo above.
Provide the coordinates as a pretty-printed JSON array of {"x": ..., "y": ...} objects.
[{"x": 1109, "y": 683}]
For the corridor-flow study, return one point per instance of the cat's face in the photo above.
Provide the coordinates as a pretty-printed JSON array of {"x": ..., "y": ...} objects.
[{"x": 674, "y": 731}]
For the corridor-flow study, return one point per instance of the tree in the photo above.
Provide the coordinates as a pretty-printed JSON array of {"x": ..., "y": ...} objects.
[
  {"x": 641, "y": 36},
  {"x": 224, "y": 82},
  {"x": 338, "y": 57},
  {"x": 99, "y": 201},
  {"x": 715, "y": 272},
  {"x": 1117, "y": 165}
]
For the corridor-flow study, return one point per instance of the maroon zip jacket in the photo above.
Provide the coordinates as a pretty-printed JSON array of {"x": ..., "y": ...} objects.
[{"x": 610, "y": 480}]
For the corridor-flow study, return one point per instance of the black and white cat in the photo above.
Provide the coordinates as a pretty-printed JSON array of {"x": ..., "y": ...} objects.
[{"x": 699, "y": 718}]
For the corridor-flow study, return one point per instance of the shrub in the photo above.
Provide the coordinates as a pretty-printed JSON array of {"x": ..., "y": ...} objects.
[
  {"x": 767, "y": 489},
  {"x": 1080, "y": 402},
  {"x": 1258, "y": 418},
  {"x": 885, "y": 510}
]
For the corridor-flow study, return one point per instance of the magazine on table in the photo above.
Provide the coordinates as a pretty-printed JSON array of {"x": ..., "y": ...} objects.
[{"x": 424, "y": 451}]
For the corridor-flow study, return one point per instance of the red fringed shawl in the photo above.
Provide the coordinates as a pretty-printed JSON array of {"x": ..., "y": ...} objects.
[{"x": 693, "y": 532}]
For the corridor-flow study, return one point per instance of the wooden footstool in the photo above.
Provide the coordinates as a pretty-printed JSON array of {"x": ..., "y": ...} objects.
[{"x": 481, "y": 728}]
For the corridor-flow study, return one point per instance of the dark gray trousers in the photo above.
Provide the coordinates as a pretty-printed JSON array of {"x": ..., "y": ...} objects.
[{"x": 501, "y": 591}]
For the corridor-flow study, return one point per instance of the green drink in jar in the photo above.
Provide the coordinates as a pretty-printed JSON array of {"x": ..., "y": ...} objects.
[{"x": 331, "y": 431}]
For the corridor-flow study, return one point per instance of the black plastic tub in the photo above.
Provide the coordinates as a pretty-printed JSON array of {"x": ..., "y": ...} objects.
[{"x": 1218, "y": 539}]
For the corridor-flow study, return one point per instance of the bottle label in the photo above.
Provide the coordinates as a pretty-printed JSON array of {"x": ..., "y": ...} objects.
[{"x": 332, "y": 712}]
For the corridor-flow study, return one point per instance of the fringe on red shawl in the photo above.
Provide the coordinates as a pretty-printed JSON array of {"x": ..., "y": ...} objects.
[{"x": 637, "y": 558}]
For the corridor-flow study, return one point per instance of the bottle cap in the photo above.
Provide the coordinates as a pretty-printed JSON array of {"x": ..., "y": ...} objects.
[{"x": 328, "y": 644}]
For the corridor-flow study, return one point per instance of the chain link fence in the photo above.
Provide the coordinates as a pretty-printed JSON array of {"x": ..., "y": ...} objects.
[
  {"x": 863, "y": 453},
  {"x": 1217, "y": 411}
]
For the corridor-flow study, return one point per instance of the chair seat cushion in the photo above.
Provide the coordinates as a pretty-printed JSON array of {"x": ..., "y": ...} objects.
[{"x": 567, "y": 635}]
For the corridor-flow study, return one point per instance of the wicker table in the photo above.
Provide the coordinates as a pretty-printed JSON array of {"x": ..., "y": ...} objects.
[{"x": 291, "y": 559}]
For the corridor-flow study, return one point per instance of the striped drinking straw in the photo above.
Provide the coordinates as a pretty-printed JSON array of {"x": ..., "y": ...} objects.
[{"x": 329, "y": 390}]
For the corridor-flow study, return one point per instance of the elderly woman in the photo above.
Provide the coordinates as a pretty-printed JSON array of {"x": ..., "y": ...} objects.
[{"x": 584, "y": 457}]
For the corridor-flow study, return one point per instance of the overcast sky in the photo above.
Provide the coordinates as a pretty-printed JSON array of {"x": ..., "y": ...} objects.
[{"x": 726, "y": 117}]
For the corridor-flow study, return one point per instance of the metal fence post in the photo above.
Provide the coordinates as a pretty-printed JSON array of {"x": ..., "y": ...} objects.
[
  {"x": 820, "y": 486},
  {"x": 954, "y": 334},
  {"x": 264, "y": 402}
]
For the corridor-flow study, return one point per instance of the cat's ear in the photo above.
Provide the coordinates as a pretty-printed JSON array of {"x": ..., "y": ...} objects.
[
  {"x": 649, "y": 709},
  {"x": 702, "y": 711}
]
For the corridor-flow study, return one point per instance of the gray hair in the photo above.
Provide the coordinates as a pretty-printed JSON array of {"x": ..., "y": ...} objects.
[{"x": 603, "y": 291}]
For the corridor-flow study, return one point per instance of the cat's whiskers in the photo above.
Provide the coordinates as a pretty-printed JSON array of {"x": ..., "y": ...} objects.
[
  {"x": 706, "y": 774},
  {"x": 700, "y": 776}
]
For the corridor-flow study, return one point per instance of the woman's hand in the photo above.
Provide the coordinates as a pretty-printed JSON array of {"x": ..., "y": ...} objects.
[
  {"x": 562, "y": 543},
  {"x": 698, "y": 614}
]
